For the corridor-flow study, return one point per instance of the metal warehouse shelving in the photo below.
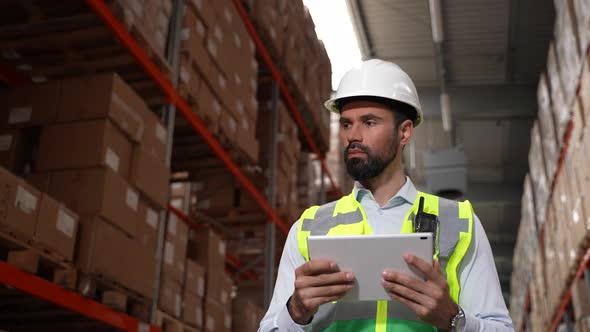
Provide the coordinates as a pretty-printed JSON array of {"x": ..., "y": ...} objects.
[
  {"x": 585, "y": 262},
  {"x": 87, "y": 312}
]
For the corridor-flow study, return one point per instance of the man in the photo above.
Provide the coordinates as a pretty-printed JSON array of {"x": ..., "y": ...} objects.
[{"x": 379, "y": 109}]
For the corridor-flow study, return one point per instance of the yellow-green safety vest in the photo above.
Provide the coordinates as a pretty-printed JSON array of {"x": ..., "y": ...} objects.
[{"x": 346, "y": 216}]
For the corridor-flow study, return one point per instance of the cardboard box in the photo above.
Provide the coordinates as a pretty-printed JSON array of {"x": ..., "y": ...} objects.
[
  {"x": 190, "y": 80},
  {"x": 104, "y": 96},
  {"x": 217, "y": 317},
  {"x": 226, "y": 291},
  {"x": 209, "y": 108},
  {"x": 98, "y": 192},
  {"x": 28, "y": 106},
  {"x": 106, "y": 250},
  {"x": 84, "y": 144},
  {"x": 568, "y": 54},
  {"x": 205, "y": 10},
  {"x": 207, "y": 249},
  {"x": 17, "y": 147},
  {"x": 20, "y": 205},
  {"x": 175, "y": 249},
  {"x": 246, "y": 316},
  {"x": 247, "y": 142},
  {"x": 38, "y": 180},
  {"x": 215, "y": 194},
  {"x": 192, "y": 312},
  {"x": 57, "y": 227},
  {"x": 193, "y": 30},
  {"x": 150, "y": 176},
  {"x": 559, "y": 105},
  {"x": 155, "y": 136},
  {"x": 143, "y": 250},
  {"x": 195, "y": 279},
  {"x": 170, "y": 296},
  {"x": 147, "y": 226},
  {"x": 547, "y": 127}
]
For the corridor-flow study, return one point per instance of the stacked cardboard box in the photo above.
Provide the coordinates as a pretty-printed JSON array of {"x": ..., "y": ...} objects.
[
  {"x": 546, "y": 128},
  {"x": 524, "y": 253},
  {"x": 246, "y": 315},
  {"x": 174, "y": 267},
  {"x": 148, "y": 20},
  {"x": 37, "y": 217},
  {"x": 564, "y": 102},
  {"x": 540, "y": 182},
  {"x": 307, "y": 174},
  {"x": 288, "y": 150},
  {"x": 208, "y": 250},
  {"x": 219, "y": 72},
  {"x": 567, "y": 50},
  {"x": 100, "y": 152},
  {"x": 288, "y": 29},
  {"x": 31, "y": 214},
  {"x": 194, "y": 294}
]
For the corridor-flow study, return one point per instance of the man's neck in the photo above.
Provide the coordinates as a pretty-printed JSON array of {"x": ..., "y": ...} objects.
[{"x": 387, "y": 184}]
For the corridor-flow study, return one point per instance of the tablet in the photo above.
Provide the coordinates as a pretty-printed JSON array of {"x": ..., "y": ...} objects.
[{"x": 368, "y": 255}]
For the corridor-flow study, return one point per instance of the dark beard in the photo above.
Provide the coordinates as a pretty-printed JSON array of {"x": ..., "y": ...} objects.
[{"x": 361, "y": 170}]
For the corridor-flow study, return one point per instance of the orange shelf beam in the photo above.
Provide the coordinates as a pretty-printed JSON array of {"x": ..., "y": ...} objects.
[
  {"x": 51, "y": 292},
  {"x": 173, "y": 97},
  {"x": 277, "y": 77}
]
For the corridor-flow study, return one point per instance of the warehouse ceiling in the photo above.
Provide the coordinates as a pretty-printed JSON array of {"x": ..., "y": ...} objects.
[{"x": 494, "y": 52}]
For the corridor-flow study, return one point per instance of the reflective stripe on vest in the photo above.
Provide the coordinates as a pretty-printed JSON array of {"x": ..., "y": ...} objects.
[{"x": 347, "y": 217}]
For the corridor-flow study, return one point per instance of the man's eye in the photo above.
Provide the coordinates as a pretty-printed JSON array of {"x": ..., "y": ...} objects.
[
  {"x": 345, "y": 125},
  {"x": 370, "y": 123}
]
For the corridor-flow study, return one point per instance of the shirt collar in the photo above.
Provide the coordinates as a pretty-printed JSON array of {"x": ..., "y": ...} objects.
[{"x": 408, "y": 191}]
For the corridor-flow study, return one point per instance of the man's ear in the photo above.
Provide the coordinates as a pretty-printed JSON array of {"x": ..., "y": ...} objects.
[{"x": 406, "y": 130}]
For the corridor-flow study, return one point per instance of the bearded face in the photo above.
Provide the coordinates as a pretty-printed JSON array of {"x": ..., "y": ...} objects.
[{"x": 363, "y": 163}]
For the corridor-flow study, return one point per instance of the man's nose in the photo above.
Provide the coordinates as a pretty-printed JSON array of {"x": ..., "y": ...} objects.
[{"x": 354, "y": 134}]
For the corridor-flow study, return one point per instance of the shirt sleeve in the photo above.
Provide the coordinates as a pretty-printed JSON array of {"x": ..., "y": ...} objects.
[
  {"x": 481, "y": 295},
  {"x": 277, "y": 318}
]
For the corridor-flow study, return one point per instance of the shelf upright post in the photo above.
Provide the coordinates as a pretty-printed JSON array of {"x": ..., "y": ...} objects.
[
  {"x": 173, "y": 56},
  {"x": 269, "y": 266}
]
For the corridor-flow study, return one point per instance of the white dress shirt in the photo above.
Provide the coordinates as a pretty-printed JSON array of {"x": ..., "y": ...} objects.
[{"x": 480, "y": 297}]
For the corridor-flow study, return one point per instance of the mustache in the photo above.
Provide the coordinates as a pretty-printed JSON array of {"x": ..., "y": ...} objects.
[{"x": 356, "y": 145}]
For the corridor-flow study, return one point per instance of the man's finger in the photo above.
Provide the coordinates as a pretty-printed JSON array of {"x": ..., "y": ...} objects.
[
  {"x": 405, "y": 292},
  {"x": 316, "y": 267},
  {"x": 415, "y": 307},
  {"x": 336, "y": 278},
  {"x": 405, "y": 280},
  {"x": 420, "y": 264}
]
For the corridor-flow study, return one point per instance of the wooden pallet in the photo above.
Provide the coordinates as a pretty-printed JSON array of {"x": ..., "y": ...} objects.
[
  {"x": 169, "y": 323},
  {"x": 114, "y": 295},
  {"x": 46, "y": 44},
  {"x": 30, "y": 257}
]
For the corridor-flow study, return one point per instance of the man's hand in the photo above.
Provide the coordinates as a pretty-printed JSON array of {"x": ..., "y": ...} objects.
[
  {"x": 429, "y": 299},
  {"x": 317, "y": 282}
]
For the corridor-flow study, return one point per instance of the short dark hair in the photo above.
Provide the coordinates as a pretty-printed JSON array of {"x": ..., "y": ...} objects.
[{"x": 402, "y": 111}]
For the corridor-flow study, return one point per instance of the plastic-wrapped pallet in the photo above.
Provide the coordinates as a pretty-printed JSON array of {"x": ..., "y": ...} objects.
[
  {"x": 524, "y": 253},
  {"x": 581, "y": 12},
  {"x": 538, "y": 175},
  {"x": 546, "y": 127},
  {"x": 568, "y": 54},
  {"x": 559, "y": 105}
]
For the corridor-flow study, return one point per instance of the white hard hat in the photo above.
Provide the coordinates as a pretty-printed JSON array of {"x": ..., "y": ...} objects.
[{"x": 377, "y": 78}]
